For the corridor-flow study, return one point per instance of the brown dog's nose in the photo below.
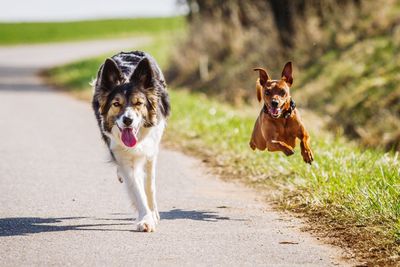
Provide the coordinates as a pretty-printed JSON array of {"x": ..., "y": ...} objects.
[
  {"x": 274, "y": 103},
  {"x": 127, "y": 121}
]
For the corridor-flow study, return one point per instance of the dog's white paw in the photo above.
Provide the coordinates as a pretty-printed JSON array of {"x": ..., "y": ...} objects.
[{"x": 146, "y": 224}]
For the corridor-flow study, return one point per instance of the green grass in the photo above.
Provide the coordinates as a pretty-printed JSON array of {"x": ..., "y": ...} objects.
[
  {"x": 21, "y": 33},
  {"x": 346, "y": 185}
]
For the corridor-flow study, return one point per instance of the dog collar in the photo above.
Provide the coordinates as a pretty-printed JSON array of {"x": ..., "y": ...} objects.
[{"x": 285, "y": 114}]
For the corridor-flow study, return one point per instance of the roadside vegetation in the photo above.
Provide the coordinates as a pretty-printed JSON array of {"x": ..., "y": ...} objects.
[
  {"x": 349, "y": 194},
  {"x": 42, "y": 32}
]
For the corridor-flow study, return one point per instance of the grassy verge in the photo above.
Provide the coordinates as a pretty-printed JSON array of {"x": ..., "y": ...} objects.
[
  {"x": 350, "y": 194},
  {"x": 17, "y": 33}
]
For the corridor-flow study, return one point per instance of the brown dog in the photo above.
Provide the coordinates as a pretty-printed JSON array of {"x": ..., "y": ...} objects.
[{"x": 279, "y": 122}]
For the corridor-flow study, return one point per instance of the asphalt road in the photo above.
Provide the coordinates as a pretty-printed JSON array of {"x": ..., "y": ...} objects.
[{"x": 61, "y": 203}]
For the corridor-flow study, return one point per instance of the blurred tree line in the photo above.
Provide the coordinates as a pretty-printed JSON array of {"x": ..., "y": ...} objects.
[
  {"x": 284, "y": 12},
  {"x": 227, "y": 39}
]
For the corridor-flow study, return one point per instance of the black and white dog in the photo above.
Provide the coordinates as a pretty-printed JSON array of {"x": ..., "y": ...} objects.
[{"x": 131, "y": 105}]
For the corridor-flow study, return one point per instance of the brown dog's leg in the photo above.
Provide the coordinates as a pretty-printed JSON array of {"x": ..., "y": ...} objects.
[
  {"x": 305, "y": 145},
  {"x": 275, "y": 145},
  {"x": 257, "y": 140}
]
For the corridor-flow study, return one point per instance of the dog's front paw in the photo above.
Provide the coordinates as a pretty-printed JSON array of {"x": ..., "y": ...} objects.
[
  {"x": 282, "y": 146},
  {"x": 288, "y": 151},
  {"x": 146, "y": 224},
  {"x": 307, "y": 156}
]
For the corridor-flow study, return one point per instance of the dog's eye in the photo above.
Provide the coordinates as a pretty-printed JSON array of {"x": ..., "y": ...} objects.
[
  {"x": 282, "y": 93},
  {"x": 138, "y": 103},
  {"x": 116, "y": 104},
  {"x": 267, "y": 92}
]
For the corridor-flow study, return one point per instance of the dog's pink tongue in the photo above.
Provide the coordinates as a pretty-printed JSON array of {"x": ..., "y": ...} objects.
[{"x": 128, "y": 138}]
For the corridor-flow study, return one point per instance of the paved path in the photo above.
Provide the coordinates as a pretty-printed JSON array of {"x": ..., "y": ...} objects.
[{"x": 61, "y": 203}]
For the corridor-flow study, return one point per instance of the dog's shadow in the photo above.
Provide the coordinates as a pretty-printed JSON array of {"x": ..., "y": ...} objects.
[
  {"x": 176, "y": 214},
  {"x": 179, "y": 214},
  {"x": 17, "y": 226},
  {"x": 34, "y": 225}
]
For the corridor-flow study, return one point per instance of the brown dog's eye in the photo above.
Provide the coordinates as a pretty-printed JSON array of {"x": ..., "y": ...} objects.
[
  {"x": 283, "y": 93},
  {"x": 267, "y": 92},
  {"x": 116, "y": 104}
]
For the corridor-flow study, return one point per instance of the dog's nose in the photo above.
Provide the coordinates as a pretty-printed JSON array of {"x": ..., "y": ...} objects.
[
  {"x": 274, "y": 103},
  {"x": 127, "y": 121}
]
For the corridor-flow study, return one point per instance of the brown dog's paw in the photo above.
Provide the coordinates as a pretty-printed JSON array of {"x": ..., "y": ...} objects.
[
  {"x": 307, "y": 156},
  {"x": 288, "y": 152}
]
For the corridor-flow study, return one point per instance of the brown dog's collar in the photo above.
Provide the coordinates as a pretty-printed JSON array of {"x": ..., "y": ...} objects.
[{"x": 285, "y": 114}]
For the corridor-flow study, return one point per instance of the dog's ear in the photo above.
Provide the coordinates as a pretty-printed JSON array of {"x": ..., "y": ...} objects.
[
  {"x": 143, "y": 73},
  {"x": 263, "y": 75},
  {"x": 110, "y": 74},
  {"x": 261, "y": 82},
  {"x": 287, "y": 73}
]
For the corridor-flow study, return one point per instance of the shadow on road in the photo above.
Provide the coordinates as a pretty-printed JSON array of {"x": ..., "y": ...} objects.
[
  {"x": 177, "y": 214},
  {"x": 35, "y": 225}
]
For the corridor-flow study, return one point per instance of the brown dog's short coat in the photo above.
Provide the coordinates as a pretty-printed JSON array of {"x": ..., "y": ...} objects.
[{"x": 279, "y": 123}]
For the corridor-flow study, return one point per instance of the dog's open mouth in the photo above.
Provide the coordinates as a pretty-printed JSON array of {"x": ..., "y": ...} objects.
[
  {"x": 275, "y": 112},
  {"x": 128, "y": 136}
]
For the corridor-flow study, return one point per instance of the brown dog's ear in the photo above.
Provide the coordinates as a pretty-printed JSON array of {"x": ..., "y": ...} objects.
[
  {"x": 261, "y": 82},
  {"x": 287, "y": 73},
  {"x": 263, "y": 75}
]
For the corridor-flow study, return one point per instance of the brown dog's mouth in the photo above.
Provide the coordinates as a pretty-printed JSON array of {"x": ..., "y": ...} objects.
[{"x": 274, "y": 112}]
